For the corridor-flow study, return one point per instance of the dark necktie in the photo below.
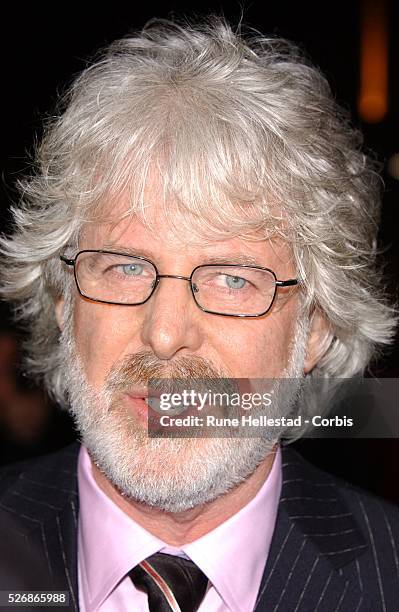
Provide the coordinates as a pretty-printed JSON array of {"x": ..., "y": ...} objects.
[{"x": 172, "y": 583}]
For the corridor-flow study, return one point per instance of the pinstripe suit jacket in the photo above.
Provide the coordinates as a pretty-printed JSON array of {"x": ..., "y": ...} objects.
[{"x": 334, "y": 548}]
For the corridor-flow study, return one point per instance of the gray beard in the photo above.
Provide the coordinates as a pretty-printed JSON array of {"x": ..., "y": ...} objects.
[{"x": 173, "y": 474}]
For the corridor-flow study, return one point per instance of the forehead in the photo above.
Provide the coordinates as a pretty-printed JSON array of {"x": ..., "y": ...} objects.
[
  {"x": 200, "y": 215},
  {"x": 163, "y": 239}
]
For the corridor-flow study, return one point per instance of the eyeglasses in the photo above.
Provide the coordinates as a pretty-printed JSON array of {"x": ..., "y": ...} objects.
[{"x": 126, "y": 280}]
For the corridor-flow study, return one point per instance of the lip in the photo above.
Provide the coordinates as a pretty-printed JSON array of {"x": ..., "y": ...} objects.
[
  {"x": 149, "y": 418},
  {"x": 138, "y": 392},
  {"x": 143, "y": 393},
  {"x": 139, "y": 407}
]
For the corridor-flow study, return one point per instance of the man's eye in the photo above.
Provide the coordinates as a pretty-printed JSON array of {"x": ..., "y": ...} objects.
[
  {"x": 131, "y": 269},
  {"x": 235, "y": 282}
]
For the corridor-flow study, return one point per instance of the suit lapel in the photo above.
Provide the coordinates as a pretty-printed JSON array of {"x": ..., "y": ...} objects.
[
  {"x": 315, "y": 537},
  {"x": 42, "y": 508}
]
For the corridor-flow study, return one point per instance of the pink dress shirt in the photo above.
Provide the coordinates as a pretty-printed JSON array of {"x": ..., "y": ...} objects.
[{"x": 110, "y": 544}]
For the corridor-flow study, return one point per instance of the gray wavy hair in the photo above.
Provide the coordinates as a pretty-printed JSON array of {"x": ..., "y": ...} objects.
[{"x": 237, "y": 127}]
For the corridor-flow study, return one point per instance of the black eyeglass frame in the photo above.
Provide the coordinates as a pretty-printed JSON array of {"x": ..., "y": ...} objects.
[{"x": 277, "y": 283}]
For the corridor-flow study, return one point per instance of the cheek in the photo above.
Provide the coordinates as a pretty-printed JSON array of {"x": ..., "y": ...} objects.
[
  {"x": 103, "y": 335},
  {"x": 259, "y": 348}
]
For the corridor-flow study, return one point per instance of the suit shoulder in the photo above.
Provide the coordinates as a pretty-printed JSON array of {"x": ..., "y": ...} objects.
[
  {"x": 53, "y": 467},
  {"x": 377, "y": 518}
]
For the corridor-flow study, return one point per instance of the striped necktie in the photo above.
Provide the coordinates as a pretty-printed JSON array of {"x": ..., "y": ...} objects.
[{"x": 172, "y": 583}]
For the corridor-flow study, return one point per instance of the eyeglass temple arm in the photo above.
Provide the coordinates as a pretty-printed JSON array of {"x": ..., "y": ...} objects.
[
  {"x": 287, "y": 283},
  {"x": 69, "y": 262}
]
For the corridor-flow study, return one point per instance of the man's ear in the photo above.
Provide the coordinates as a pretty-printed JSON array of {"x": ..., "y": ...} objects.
[
  {"x": 319, "y": 340},
  {"x": 59, "y": 312}
]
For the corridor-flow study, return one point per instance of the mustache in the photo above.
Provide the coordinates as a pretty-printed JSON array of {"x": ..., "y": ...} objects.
[{"x": 145, "y": 369}]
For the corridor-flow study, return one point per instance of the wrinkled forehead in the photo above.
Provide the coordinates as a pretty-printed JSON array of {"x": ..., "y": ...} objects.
[
  {"x": 163, "y": 212},
  {"x": 181, "y": 236}
]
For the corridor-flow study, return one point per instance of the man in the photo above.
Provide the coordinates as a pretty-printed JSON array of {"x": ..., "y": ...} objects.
[{"x": 200, "y": 210}]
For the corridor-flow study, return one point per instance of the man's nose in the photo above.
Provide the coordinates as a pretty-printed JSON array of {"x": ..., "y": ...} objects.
[{"x": 172, "y": 319}]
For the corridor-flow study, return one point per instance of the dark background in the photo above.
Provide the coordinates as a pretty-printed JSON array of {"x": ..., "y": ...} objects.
[{"x": 42, "y": 48}]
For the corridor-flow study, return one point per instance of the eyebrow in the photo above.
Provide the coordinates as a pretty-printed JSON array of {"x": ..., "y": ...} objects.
[
  {"x": 124, "y": 250},
  {"x": 233, "y": 259},
  {"x": 247, "y": 260}
]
